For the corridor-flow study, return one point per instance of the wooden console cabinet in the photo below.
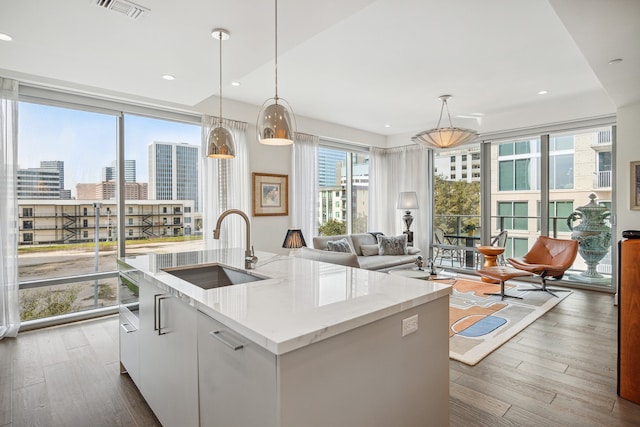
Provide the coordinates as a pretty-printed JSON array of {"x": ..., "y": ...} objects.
[{"x": 629, "y": 320}]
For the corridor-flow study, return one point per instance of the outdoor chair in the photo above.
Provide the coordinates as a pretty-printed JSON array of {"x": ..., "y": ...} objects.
[{"x": 443, "y": 250}]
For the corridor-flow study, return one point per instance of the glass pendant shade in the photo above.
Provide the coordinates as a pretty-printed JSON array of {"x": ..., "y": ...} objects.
[
  {"x": 445, "y": 137},
  {"x": 275, "y": 125},
  {"x": 220, "y": 144}
]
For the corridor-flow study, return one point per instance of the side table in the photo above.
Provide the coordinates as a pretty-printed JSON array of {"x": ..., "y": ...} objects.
[{"x": 490, "y": 259}]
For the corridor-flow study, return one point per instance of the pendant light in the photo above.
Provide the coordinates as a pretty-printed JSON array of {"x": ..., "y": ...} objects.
[
  {"x": 276, "y": 126},
  {"x": 445, "y": 137},
  {"x": 220, "y": 143}
]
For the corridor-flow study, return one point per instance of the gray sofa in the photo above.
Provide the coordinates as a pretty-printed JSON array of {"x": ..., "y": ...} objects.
[{"x": 369, "y": 259}]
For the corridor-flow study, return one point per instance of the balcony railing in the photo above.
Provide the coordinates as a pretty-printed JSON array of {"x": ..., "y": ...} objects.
[{"x": 602, "y": 179}]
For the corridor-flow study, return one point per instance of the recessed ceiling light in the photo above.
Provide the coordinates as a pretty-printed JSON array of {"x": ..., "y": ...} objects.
[
  {"x": 543, "y": 92},
  {"x": 235, "y": 83},
  {"x": 615, "y": 61},
  {"x": 5, "y": 37},
  {"x": 387, "y": 126},
  {"x": 168, "y": 77}
]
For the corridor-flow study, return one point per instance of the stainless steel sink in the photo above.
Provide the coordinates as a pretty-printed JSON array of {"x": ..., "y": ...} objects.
[{"x": 211, "y": 276}]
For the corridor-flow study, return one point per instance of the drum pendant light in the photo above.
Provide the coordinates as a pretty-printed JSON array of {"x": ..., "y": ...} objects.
[
  {"x": 220, "y": 143},
  {"x": 276, "y": 122}
]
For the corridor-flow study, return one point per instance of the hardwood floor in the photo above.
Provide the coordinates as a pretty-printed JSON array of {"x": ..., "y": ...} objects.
[
  {"x": 560, "y": 371},
  {"x": 68, "y": 376}
]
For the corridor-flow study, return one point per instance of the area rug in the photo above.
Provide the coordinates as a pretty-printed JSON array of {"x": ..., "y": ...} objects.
[{"x": 479, "y": 324}]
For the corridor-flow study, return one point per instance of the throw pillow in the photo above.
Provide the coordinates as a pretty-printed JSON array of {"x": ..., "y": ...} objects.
[
  {"x": 341, "y": 245},
  {"x": 392, "y": 245},
  {"x": 369, "y": 250}
]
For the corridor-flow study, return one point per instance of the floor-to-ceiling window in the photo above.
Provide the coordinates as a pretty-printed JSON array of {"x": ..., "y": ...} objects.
[
  {"x": 343, "y": 185},
  {"x": 579, "y": 164},
  {"x": 68, "y": 198},
  {"x": 456, "y": 188}
]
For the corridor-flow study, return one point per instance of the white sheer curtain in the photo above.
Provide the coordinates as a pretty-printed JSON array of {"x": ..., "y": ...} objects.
[
  {"x": 226, "y": 185},
  {"x": 392, "y": 171},
  {"x": 304, "y": 185},
  {"x": 9, "y": 295}
]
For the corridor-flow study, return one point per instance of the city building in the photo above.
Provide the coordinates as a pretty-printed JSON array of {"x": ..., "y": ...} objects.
[
  {"x": 38, "y": 183},
  {"x": 174, "y": 172},
  {"x": 107, "y": 190},
  {"x": 110, "y": 173},
  {"x": 74, "y": 221}
]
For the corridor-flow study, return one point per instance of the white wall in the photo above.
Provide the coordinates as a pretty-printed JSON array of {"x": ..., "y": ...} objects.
[
  {"x": 627, "y": 150},
  {"x": 267, "y": 232}
]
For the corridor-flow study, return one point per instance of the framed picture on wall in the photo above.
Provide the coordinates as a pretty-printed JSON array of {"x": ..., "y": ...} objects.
[
  {"x": 635, "y": 185},
  {"x": 270, "y": 194}
]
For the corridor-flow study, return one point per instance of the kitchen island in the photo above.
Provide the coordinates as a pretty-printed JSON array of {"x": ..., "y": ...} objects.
[{"x": 309, "y": 344}]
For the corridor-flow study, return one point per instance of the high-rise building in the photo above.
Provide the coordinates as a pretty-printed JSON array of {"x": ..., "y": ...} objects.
[
  {"x": 38, "y": 183},
  {"x": 57, "y": 165},
  {"x": 328, "y": 173},
  {"x": 110, "y": 173},
  {"x": 174, "y": 172}
]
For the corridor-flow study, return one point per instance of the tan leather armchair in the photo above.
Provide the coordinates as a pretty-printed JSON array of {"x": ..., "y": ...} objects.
[{"x": 548, "y": 258}]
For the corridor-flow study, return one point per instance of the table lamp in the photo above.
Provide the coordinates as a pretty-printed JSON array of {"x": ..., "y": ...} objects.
[
  {"x": 294, "y": 240},
  {"x": 408, "y": 200}
]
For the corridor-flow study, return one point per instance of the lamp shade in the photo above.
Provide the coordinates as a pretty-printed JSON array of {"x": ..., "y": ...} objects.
[
  {"x": 445, "y": 137},
  {"x": 407, "y": 200},
  {"x": 220, "y": 144},
  {"x": 294, "y": 239},
  {"x": 275, "y": 126}
]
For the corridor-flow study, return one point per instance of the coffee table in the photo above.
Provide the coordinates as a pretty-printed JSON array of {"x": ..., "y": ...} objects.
[{"x": 414, "y": 273}]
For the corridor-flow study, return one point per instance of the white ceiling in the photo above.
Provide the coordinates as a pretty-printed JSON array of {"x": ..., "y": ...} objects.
[{"x": 357, "y": 63}]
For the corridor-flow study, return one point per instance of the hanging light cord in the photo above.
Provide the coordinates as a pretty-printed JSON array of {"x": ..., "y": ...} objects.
[
  {"x": 220, "y": 86},
  {"x": 444, "y": 102},
  {"x": 276, "y": 48}
]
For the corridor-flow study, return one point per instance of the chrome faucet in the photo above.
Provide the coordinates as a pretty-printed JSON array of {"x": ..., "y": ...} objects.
[{"x": 249, "y": 258}]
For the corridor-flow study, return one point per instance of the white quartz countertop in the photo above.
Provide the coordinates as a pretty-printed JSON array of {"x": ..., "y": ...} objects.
[{"x": 301, "y": 302}]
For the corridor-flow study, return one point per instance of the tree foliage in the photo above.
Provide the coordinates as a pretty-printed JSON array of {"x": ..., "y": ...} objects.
[
  {"x": 456, "y": 201},
  {"x": 332, "y": 228}
]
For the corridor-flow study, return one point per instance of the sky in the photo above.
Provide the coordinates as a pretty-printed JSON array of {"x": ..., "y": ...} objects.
[{"x": 86, "y": 141}]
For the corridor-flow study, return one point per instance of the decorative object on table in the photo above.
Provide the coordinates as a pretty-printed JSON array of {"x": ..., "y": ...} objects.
[
  {"x": 294, "y": 240},
  {"x": 408, "y": 200},
  {"x": 432, "y": 267},
  {"x": 275, "y": 126},
  {"x": 635, "y": 185},
  {"x": 270, "y": 194},
  {"x": 445, "y": 137},
  {"x": 420, "y": 262},
  {"x": 469, "y": 228},
  {"x": 479, "y": 324},
  {"x": 220, "y": 143},
  {"x": 592, "y": 234}
]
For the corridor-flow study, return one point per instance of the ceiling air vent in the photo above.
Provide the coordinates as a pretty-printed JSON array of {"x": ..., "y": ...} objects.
[{"x": 124, "y": 7}]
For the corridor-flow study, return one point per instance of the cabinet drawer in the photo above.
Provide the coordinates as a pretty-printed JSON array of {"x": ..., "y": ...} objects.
[{"x": 130, "y": 347}]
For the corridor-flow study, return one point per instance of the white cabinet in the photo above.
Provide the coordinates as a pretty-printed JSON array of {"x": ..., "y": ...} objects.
[
  {"x": 168, "y": 356},
  {"x": 238, "y": 385}
]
